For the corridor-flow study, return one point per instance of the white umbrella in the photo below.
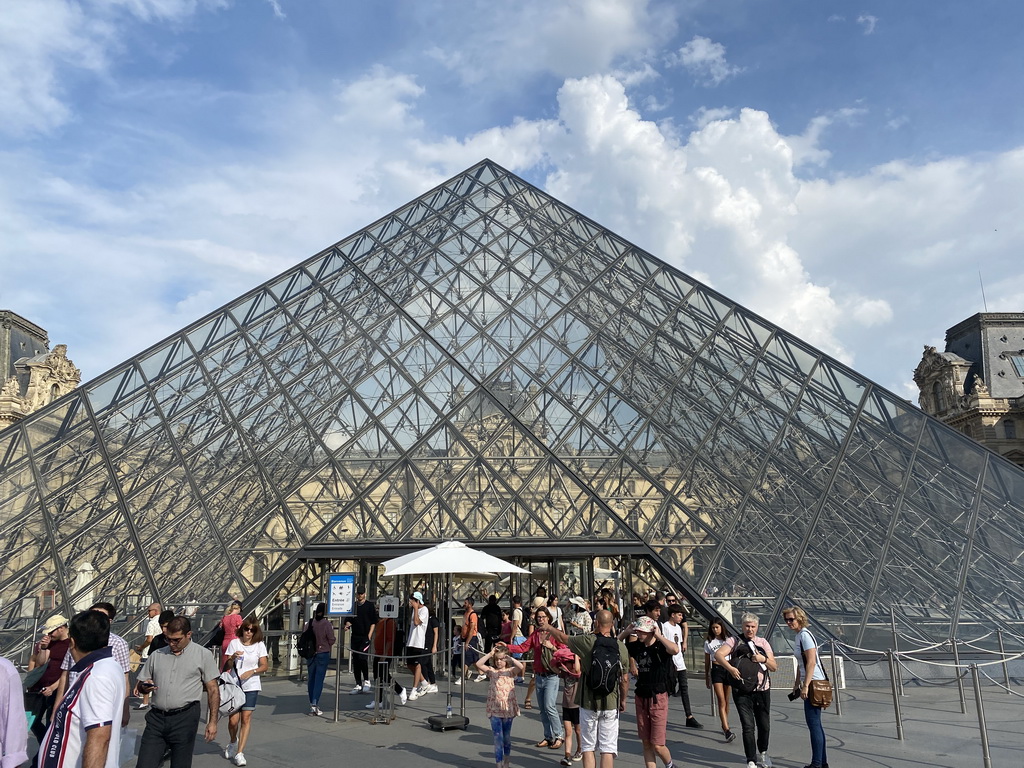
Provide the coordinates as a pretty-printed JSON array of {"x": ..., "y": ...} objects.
[{"x": 449, "y": 558}]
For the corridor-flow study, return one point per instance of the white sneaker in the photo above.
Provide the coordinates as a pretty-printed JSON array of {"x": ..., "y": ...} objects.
[
  {"x": 239, "y": 759},
  {"x": 354, "y": 691},
  {"x": 229, "y": 750},
  {"x": 751, "y": 764},
  {"x": 479, "y": 678},
  {"x": 403, "y": 697},
  {"x": 431, "y": 688},
  {"x": 422, "y": 687},
  {"x": 371, "y": 705},
  {"x": 459, "y": 681},
  {"x": 317, "y": 711},
  {"x": 413, "y": 695},
  {"x": 366, "y": 686},
  {"x": 765, "y": 760}
]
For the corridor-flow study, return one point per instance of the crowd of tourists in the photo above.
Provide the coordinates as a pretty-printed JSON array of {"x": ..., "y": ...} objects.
[{"x": 580, "y": 665}]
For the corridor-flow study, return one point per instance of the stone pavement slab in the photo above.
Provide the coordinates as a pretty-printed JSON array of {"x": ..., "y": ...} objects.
[{"x": 936, "y": 733}]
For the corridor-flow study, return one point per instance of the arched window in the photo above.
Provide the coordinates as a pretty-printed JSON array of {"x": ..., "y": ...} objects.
[{"x": 1010, "y": 429}]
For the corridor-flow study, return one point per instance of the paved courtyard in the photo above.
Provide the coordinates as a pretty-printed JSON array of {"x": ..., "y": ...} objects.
[{"x": 937, "y": 734}]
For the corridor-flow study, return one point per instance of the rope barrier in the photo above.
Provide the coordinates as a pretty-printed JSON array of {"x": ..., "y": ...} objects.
[
  {"x": 1000, "y": 685},
  {"x": 958, "y": 666},
  {"x": 969, "y": 644},
  {"x": 922, "y": 681}
]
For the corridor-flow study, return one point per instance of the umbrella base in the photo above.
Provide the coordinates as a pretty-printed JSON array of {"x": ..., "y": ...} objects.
[{"x": 442, "y": 723}]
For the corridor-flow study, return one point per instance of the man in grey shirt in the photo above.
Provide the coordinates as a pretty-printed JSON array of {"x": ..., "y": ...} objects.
[{"x": 176, "y": 676}]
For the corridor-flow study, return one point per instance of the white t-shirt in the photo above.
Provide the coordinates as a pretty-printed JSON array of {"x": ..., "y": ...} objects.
[
  {"x": 418, "y": 634},
  {"x": 99, "y": 703},
  {"x": 710, "y": 646},
  {"x": 251, "y": 660},
  {"x": 556, "y": 617},
  {"x": 674, "y": 632},
  {"x": 152, "y": 630}
]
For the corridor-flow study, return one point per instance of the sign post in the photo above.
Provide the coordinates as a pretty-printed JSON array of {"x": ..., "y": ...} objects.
[{"x": 341, "y": 593}]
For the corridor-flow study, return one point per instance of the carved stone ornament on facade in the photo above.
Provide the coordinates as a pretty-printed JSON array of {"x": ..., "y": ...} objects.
[{"x": 11, "y": 388}]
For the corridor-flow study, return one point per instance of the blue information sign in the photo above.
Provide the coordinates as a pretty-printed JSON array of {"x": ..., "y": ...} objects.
[{"x": 341, "y": 594}]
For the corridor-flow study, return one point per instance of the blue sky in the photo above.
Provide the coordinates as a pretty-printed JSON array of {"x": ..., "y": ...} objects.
[{"x": 844, "y": 169}]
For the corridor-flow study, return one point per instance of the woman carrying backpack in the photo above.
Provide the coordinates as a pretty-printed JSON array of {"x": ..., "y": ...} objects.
[
  {"x": 808, "y": 668},
  {"x": 317, "y": 664}
]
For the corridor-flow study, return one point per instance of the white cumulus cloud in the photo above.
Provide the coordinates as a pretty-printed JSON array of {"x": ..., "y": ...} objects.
[{"x": 705, "y": 60}]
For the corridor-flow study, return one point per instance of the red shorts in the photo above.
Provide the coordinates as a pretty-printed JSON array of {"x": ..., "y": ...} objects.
[{"x": 652, "y": 718}]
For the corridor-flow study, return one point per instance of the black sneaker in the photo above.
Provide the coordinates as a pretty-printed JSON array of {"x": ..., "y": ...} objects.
[
  {"x": 730, "y": 737},
  {"x": 691, "y": 722}
]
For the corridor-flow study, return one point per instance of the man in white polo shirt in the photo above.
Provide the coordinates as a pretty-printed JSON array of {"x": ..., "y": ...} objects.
[{"x": 85, "y": 730}]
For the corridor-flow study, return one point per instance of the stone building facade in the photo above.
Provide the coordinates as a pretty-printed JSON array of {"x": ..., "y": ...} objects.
[
  {"x": 32, "y": 375},
  {"x": 977, "y": 384}
]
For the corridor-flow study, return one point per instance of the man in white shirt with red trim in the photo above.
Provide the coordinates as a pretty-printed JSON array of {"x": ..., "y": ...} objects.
[{"x": 85, "y": 730}]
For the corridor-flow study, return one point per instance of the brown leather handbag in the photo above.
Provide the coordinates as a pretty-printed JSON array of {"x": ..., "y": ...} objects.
[{"x": 819, "y": 693}]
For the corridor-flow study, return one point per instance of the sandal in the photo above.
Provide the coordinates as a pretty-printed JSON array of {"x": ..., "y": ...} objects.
[
  {"x": 557, "y": 745},
  {"x": 544, "y": 743},
  {"x": 527, "y": 704}
]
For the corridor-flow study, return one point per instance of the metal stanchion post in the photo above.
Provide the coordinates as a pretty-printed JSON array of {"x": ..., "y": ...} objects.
[
  {"x": 895, "y": 694},
  {"x": 959, "y": 677},
  {"x": 337, "y": 669},
  {"x": 835, "y": 680},
  {"x": 1006, "y": 670},
  {"x": 896, "y": 649},
  {"x": 981, "y": 716}
]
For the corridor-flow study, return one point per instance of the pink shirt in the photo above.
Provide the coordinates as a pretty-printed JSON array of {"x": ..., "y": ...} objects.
[
  {"x": 231, "y": 624},
  {"x": 501, "y": 695}
]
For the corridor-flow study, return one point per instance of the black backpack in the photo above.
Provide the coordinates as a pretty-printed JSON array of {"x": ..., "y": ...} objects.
[
  {"x": 749, "y": 669},
  {"x": 307, "y": 642},
  {"x": 605, "y": 666}
]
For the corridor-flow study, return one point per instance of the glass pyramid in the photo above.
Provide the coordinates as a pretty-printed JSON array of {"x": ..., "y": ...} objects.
[{"x": 489, "y": 365}]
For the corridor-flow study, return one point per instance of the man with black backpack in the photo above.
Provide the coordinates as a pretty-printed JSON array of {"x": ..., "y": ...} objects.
[
  {"x": 750, "y": 659},
  {"x": 602, "y": 690}
]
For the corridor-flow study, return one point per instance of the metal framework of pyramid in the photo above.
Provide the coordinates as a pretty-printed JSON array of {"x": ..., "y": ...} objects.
[{"x": 489, "y": 365}]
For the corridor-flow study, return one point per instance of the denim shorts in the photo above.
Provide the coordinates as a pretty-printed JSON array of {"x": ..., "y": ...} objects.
[{"x": 250, "y": 701}]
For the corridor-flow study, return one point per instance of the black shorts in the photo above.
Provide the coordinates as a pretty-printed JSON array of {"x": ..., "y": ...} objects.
[
  {"x": 571, "y": 715},
  {"x": 414, "y": 656},
  {"x": 720, "y": 675}
]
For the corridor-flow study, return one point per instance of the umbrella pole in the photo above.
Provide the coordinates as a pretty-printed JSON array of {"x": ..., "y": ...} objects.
[{"x": 448, "y": 642}]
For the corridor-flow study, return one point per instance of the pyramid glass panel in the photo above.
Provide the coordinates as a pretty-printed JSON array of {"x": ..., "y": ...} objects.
[{"x": 489, "y": 365}]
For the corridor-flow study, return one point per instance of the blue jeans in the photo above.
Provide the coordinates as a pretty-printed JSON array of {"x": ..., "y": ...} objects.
[
  {"x": 317, "y": 672},
  {"x": 547, "y": 701},
  {"x": 501, "y": 729},
  {"x": 813, "y": 717}
]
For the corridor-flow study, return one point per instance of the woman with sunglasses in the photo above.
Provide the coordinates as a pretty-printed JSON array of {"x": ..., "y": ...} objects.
[
  {"x": 247, "y": 653},
  {"x": 808, "y": 667}
]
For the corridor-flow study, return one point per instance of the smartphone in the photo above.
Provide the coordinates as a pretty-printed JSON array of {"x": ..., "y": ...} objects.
[
  {"x": 146, "y": 686},
  {"x": 793, "y": 695}
]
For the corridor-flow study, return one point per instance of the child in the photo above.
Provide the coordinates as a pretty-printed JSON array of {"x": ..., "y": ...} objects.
[
  {"x": 567, "y": 664},
  {"x": 502, "y": 706}
]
